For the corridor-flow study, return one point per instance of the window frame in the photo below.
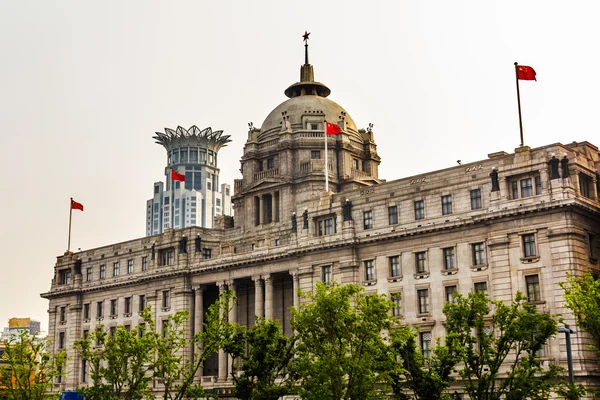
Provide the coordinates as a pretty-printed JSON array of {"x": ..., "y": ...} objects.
[
  {"x": 476, "y": 251},
  {"x": 392, "y": 215},
  {"x": 369, "y": 266},
  {"x": 423, "y": 306},
  {"x": 446, "y": 204},
  {"x": 476, "y": 201},
  {"x": 419, "y": 208},
  {"x": 368, "y": 219},
  {"x": 395, "y": 266},
  {"x": 449, "y": 294},
  {"x": 528, "y": 242},
  {"x": 326, "y": 274},
  {"x": 421, "y": 262},
  {"x": 446, "y": 257},
  {"x": 535, "y": 286}
]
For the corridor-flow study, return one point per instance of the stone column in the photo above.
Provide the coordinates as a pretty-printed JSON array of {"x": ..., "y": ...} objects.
[
  {"x": 295, "y": 278},
  {"x": 232, "y": 319},
  {"x": 222, "y": 375},
  {"x": 258, "y": 297},
  {"x": 198, "y": 323},
  {"x": 268, "y": 296}
]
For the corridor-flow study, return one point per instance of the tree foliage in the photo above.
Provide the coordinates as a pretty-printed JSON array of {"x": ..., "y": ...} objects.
[
  {"x": 265, "y": 355},
  {"x": 582, "y": 295},
  {"x": 340, "y": 352},
  {"x": 27, "y": 370},
  {"x": 499, "y": 350}
]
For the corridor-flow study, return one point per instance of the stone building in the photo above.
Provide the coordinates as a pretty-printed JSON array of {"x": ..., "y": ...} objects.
[{"x": 510, "y": 222}]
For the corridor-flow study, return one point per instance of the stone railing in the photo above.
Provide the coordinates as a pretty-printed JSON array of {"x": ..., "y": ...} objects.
[
  {"x": 308, "y": 134},
  {"x": 269, "y": 143},
  {"x": 357, "y": 173},
  {"x": 237, "y": 186},
  {"x": 266, "y": 174}
]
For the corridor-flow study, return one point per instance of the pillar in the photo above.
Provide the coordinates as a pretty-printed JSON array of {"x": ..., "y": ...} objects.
[
  {"x": 222, "y": 375},
  {"x": 268, "y": 297},
  {"x": 296, "y": 281},
  {"x": 233, "y": 320},
  {"x": 259, "y": 310},
  {"x": 198, "y": 324}
]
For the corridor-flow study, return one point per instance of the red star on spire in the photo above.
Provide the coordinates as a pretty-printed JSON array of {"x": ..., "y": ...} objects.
[{"x": 305, "y": 36}]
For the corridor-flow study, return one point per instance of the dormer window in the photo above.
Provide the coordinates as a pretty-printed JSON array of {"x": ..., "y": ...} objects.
[{"x": 314, "y": 127}]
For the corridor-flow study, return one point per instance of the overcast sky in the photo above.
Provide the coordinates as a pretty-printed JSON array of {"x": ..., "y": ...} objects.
[{"x": 84, "y": 85}]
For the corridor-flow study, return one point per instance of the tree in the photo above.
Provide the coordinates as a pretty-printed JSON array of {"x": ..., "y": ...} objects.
[
  {"x": 582, "y": 294},
  {"x": 27, "y": 370},
  {"x": 265, "y": 354},
  {"x": 118, "y": 364},
  {"x": 511, "y": 337},
  {"x": 427, "y": 378},
  {"x": 341, "y": 353}
]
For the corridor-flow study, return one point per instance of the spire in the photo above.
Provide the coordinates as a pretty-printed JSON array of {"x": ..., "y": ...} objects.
[{"x": 307, "y": 84}]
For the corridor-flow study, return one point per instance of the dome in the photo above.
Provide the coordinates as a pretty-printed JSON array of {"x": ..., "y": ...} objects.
[{"x": 298, "y": 106}]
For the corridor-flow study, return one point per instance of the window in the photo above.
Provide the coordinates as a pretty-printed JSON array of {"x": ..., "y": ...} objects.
[
  {"x": 61, "y": 340},
  {"x": 449, "y": 291},
  {"x": 478, "y": 254},
  {"x": 167, "y": 256},
  {"x": 326, "y": 226},
  {"x": 102, "y": 271},
  {"x": 425, "y": 341},
  {"x": 112, "y": 331},
  {"x": 142, "y": 303},
  {"x": 421, "y": 262},
  {"x": 480, "y": 287},
  {"x": 315, "y": 154},
  {"x": 270, "y": 163},
  {"x": 476, "y": 199},
  {"x": 370, "y": 270},
  {"x": 127, "y": 305},
  {"x": 88, "y": 274},
  {"x": 368, "y": 219},
  {"x": 84, "y": 372},
  {"x": 529, "y": 249},
  {"x": 538, "y": 185},
  {"x": 145, "y": 263},
  {"x": 533, "y": 287},
  {"x": 419, "y": 209},
  {"x": 526, "y": 188},
  {"x": 64, "y": 277},
  {"x": 130, "y": 266},
  {"x": 355, "y": 163},
  {"x": 423, "y": 297},
  {"x": 525, "y": 185},
  {"x": 326, "y": 275},
  {"x": 314, "y": 127},
  {"x": 397, "y": 307},
  {"x": 446, "y": 204},
  {"x": 113, "y": 308},
  {"x": 166, "y": 301},
  {"x": 586, "y": 185},
  {"x": 393, "y": 215},
  {"x": 116, "y": 269},
  {"x": 515, "y": 190},
  {"x": 206, "y": 254},
  {"x": 86, "y": 311},
  {"x": 63, "y": 314},
  {"x": 449, "y": 262},
  {"x": 395, "y": 266},
  {"x": 100, "y": 309}
]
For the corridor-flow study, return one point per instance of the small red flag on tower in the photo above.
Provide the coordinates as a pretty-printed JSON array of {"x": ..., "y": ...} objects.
[
  {"x": 176, "y": 176},
  {"x": 525, "y": 73},
  {"x": 76, "y": 206},
  {"x": 332, "y": 129}
]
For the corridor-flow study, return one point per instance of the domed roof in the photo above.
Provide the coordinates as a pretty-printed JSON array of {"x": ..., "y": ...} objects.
[{"x": 298, "y": 106}]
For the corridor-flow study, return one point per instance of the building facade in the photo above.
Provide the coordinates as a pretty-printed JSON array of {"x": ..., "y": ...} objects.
[
  {"x": 508, "y": 223},
  {"x": 198, "y": 199}
]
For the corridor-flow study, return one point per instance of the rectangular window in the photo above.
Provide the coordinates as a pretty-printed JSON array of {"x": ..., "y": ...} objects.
[
  {"x": 425, "y": 339},
  {"x": 538, "y": 185},
  {"x": 116, "y": 269},
  {"x": 392, "y": 215},
  {"x": 515, "y": 190},
  {"x": 529, "y": 249},
  {"x": 112, "y": 331},
  {"x": 449, "y": 292},
  {"x": 130, "y": 266},
  {"x": 314, "y": 127},
  {"x": 476, "y": 199},
  {"x": 397, "y": 307},
  {"x": 480, "y": 287},
  {"x": 368, "y": 219},
  {"x": 100, "y": 309},
  {"x": 419, "y": 210},
  {"x": 315, "y": 154},
  {"x": 446, "y": 204},
  {"x": 585, "y": 185},
  {"x": 326, "y": 275},
  {"x": 449, "y": 261},
  {"x": 423, "y": 296},
  {"x": 63, "y": 314},
  {"x": 142, "y": 304},
  {"x": 166, "y": 301},
  {"x": 526, "y": 188},
  {"x": 421, "y": 262},
  {"x": 84, "y": 372},
  {"x": 270, "y": 163},
  {"x": 145, "y": 263},
  {"x": 98, "y": 340},
  {"x": 127, "y": 305},
  {"x": 206, "y": 254},
  {"x": 325, "y": 226},
  {"x": 395, "y": 266},
  {"x": 113, "y": 308},
  {"x": 61, "y": 340},
  {"x": 478, "y": 254},
  {"x": 533, "y": 287},
  {"x": 370, "y": 270},
  {"x": 86, "y": 311},
  {"x": 102, "y": 271},
  {"x": 64, "y": 277},
  {"x": 167, "y": 256},
  {"x": 89, "y": 273}
]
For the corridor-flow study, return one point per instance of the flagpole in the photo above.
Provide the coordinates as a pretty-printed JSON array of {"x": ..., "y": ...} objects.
[
  {"x": 70, "y": 218},
  {"x": 519, "y": 101},
  {"x": 326, "y": 161}
]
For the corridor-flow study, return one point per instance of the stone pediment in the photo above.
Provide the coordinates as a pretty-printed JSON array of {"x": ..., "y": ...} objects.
[{"x": 263, "y": 184}]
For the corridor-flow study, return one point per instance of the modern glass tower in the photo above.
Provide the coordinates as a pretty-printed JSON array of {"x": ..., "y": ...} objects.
[{"x": 197, "y": 201}]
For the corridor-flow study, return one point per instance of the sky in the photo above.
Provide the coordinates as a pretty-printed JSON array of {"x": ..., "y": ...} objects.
[{"x": 85, "y": 84}]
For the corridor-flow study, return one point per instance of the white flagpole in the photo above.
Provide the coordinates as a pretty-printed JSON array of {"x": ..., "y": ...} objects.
[{"x": 326, "y": 161}]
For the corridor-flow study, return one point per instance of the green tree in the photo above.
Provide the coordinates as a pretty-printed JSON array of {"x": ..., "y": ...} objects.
[
  {"x": 427, "y": 378},
  {"x": 511, "y": 337},
  {"x": 582, "y": 295},
  {"x": 265, "y": 354},
  {"x": 340, "y": 352},
  {"x": 27, "y": 370}
]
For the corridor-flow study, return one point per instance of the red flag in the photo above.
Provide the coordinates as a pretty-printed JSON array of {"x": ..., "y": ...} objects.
[
  {"x": 176, "y": 176},
  {"x": 332, "y": 129},
  {"x": 76, "y": 206},
  {"x": 525, "y": 73}
]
